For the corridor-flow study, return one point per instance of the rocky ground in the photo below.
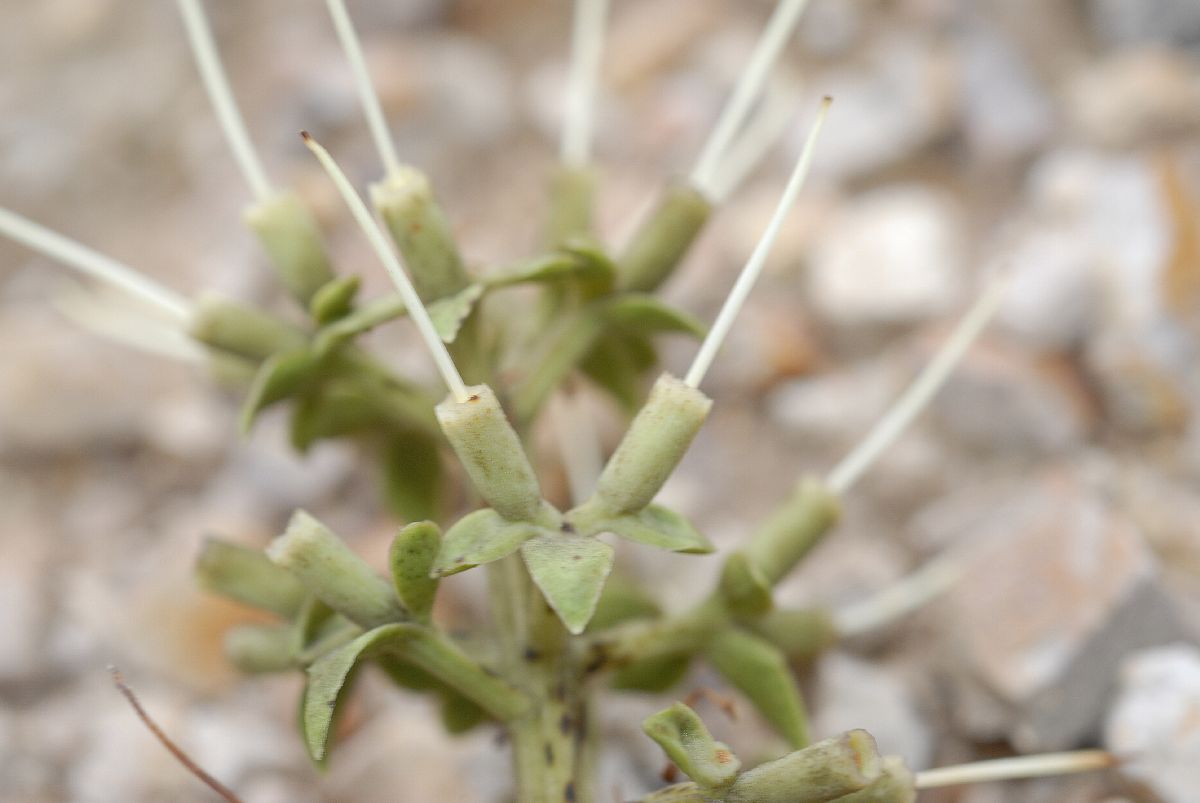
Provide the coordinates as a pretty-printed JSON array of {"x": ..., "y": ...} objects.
[{"x": 1060, "y": 464}]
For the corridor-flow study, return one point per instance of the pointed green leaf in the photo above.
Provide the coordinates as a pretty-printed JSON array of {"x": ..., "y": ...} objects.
[
  {"x": 745, "y": 588},
  {"x": 895, "y": 784},
  {"x": 279, "y": 376},
  {"x": 334, "y": 300},
  {"x": 449, "y": 312},
  {"x": 654, "y": 526},
  {"x": 686, "y": 741},
  {"x": 481, "y": 537},
  {"x": 407, "y": 642},
  {"x": 647, "y": 314},
  {"x": 413, "y": 476},
  {"x": 331, "y": 411},
  {"x": 412, "y": 555},
  {"x": 570, "y": 570},
  {"x": 760, "y": 671},
  {"x": 367, "y": 317}
]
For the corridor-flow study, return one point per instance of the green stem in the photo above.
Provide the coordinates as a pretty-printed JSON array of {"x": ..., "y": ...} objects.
[
  {"x": 549, "y": 742},
  {"x": 663, "y": 239},
  {"x": 562, "y": 352}
]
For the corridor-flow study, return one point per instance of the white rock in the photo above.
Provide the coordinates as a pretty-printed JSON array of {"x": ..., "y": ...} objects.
[
  {"x": 1154, "y": 721},
  {"x": 895, "y": 256},
  {"x": 855, "y": 694},
  {"x": 1053, "y": 300}
]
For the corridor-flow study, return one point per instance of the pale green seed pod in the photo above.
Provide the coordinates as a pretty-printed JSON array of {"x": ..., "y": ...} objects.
[
  {"x": 248, "y": 576},
  {"x": 895, "y": 785},
  {"x": 656, "y": 441},
  {"x": 290, "y": 236},
  {"x": 241, "y": 330},
  {"x": 330, "y": 570},
  {"x": 261, "y": 648},
  {"x": 492, "y": 454},
  {"x": 421, "y": 231},
  {"x": 819, "y": 773},
  {"x": 661, "y": 242}
]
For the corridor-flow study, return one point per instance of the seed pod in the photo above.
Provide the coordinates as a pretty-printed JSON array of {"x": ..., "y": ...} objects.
[
  {"x": 656, "y": 441},
  {"x": 290, "y": 236},
  {"x": 492, "y": 454}
]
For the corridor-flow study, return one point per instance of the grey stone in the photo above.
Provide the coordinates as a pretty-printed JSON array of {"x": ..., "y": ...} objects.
[{"x": 1056, "y": 591}]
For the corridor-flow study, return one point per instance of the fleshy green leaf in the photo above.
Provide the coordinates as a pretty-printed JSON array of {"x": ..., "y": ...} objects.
[
  {"x": 367, "y": 317},
  {"x": 646, "y": 314},
  {"x": 336, "y": 409},
  {"x": 613, "y": 365},
  {"x": 546, "y": 268},
  {"x": 412, "y": 476},
  {"x": 654, "y": 675},
  {"x": 333, "y": 300},
  {"x": 745, "y": 588},
  {"x": 760, "y": 671},
  {"x": 481, "y": 537},
  {"x": 459, "y": 714},
  {"x": 685, "y": 740},
  {"x": 411, "y": 643},
  {"x": 622, "y": 600},
  {"x": 655, "y": 526},
  {"x": 448, "y": 313},
  {"x": 413, "y": 552},
  {"x": 578, "y": 259},
  {"x": 570, "y": 570},
  {"x": 279, "y": 376}
]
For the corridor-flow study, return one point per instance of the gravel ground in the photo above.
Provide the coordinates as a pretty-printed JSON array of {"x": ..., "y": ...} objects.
[{"x": 1061, "y": 462}]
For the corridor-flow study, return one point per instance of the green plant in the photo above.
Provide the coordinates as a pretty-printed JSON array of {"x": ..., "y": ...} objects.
[{"x": 561, "y": 628}]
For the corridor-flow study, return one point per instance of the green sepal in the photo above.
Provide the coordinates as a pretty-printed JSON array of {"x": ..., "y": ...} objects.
[
  {"x": 411, "y": 557},
  {"x": 481, "y": 537},
  {"x": 896, "y": 784},
  {"x": 413, "y": 476},
  {"x": 407, "y": 642},
  {"x": 334, "y": 299},
  {"x": 279, "y": 376},
  {"x": 654, "y": 526},
  {"x": 642, "y": 313},
  {"x": 686, "y": 741},
  {"x": 570, "y": 570},
  {"x": 760, "y": 671},
  {"x": 449, "y": 312},
  {"x": 746, "y": 590},
  {"x": 363, "y": 319},
  {"x": 652, "y": 675}
]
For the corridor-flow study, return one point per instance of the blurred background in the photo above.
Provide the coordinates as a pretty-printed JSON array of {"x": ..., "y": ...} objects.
[{"x": 1060, "y": 464}]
